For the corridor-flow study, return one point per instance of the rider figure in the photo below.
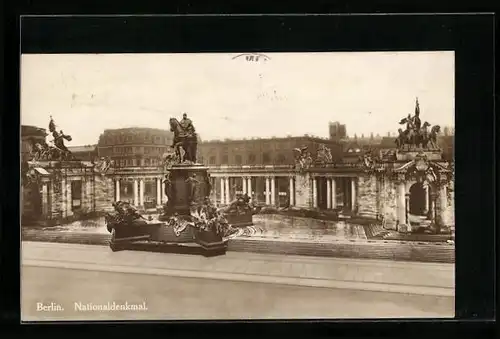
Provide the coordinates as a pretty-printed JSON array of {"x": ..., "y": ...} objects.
[
  {"x": 187, "y": 125},
  {"x": 59, "y": 141}
]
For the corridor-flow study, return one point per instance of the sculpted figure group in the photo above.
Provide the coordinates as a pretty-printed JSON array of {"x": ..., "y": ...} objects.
[
  {"x": 417, "y": 134},
  {"x": 57, "y": 150}
]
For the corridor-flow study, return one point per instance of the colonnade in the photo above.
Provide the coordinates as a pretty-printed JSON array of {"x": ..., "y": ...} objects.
[
  {"x": 317, "y": 187},
  {"x": 247, "y": 187},
  {"x": 138, "y": 186},
  {"x": 348, "y": 186}
]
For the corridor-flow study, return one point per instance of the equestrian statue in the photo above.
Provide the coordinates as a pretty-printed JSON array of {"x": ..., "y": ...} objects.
[
  {"x": 416, "y": 134},
  {"x": 185, "y": 138}
]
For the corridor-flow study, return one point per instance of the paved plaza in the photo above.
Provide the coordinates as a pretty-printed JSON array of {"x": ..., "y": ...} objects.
[{"x": 236, "y": 286}]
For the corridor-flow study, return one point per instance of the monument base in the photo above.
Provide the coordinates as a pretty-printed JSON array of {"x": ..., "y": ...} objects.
[
  {"x": 187, "y": 184},
  {"x": 411, "y": 154},
  {"x": 161, "y": 237}
]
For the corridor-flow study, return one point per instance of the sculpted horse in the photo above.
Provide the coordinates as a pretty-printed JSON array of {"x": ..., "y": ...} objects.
[
  {"x": 422, "y": 137},
  {"x": 183, "y": 139},
  {"x": 402, "y": 139},
  {"x": 43, "y": 151},
  {"x": 435, "y": 130}
]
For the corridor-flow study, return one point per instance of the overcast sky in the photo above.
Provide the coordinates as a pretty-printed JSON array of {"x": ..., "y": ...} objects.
[{"x": 289, "y": 94}]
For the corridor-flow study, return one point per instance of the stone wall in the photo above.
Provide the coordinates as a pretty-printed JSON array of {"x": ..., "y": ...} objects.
[
  {"x": 67, "y": 212},
  {"x": 104, "y": 193},
  {"x": 87, "y": 196},
  {"x": 56, "y": 194},
  {"x": 367, "y": 199},
  {"x": 388, "y": 202},
  {"x": 303, "y": 190}
]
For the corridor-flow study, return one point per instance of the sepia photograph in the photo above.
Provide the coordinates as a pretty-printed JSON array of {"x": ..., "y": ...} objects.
[{"x": 237, "y": 186}]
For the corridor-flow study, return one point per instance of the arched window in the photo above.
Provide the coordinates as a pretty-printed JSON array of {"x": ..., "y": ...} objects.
[
  {"x": 225, "y": 159},
  {"x": 212, "y": 160},
  {"x": 237, "y": 159}
]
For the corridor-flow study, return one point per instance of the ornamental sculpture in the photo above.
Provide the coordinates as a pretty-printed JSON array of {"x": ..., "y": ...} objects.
[
  {"x": 241, "y": 205},
  {"x": 416, "y": 134},
  {"x": 303, "y": 159},
  {"x": 103, "y": 165},
  {"x": 323, "y": 155}
]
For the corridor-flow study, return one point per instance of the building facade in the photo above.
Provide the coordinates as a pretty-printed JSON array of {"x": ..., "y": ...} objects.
[
  {"x": 265, "y": 151},
  {"x": 57, "y": 191},
  {"x": 132, "y": 147},
  {"x": 84, "y": 153}
]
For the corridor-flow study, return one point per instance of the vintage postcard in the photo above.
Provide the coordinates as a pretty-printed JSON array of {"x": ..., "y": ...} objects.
[{"x": 237, "y": 186}]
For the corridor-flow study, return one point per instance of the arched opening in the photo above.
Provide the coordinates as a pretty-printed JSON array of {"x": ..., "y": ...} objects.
[{"x": 417, "y": 199}]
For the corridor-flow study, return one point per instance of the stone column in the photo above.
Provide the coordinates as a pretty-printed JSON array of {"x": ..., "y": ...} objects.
[
  {"x": 227, "y": 190},
  {"x": 222, "y": 191},
  {"x": 88, "y": 195},
  {"x": 249, "y": 187},
  {"x": 328, "y": 193},
  {"x": 141, "y": 193},
  {"x": 315, "y": 192},
  {"x": 64, "y": 201},
  {"x": 213, "y": 193},
  {"x": 401, "y": 203},
  {"x": 117, "y": 186},
  {"x": 431, "y": 213},
  {"x": 353, "y": 193},
  {"x": 45, "y": 200},
  {"x": 273, "y": 191},
  {"x": 426, "y": 198},
  {"x": 443, "y": 204},
  {"x": 268, "y": 200},
  {"x": 292, "y": 192},
  {"x": 158, "y": 191},
  {"x": 136, "y": 192},
  {"x": 334, "y": 193},
  {"x": 244, "y": 181},
  {"x": 163, "y": 195}
]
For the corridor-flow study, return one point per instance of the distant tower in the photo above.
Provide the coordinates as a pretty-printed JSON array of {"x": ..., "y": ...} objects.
[
  {"x": 337, "y": 131},
  {"x": 446, "y": 131}
]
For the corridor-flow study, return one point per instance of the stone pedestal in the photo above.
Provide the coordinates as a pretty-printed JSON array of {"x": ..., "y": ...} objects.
[
  {"x": 409, "y": 155},
  {"x": 189, "y": 186}
]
